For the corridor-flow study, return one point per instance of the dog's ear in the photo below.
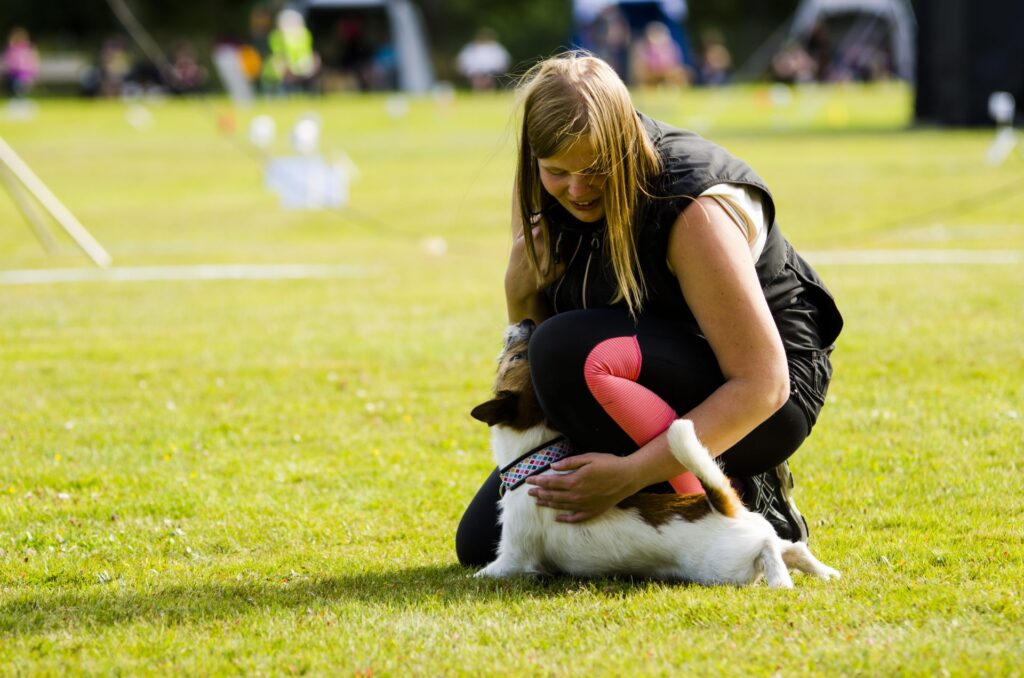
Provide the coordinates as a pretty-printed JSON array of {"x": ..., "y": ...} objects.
[{"x": 499, "y": 410}]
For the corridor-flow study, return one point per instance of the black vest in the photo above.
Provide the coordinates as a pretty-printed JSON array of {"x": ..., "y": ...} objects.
[{"x": 803, "y": 309}]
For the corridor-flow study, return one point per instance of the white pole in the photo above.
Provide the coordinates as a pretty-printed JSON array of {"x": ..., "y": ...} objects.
[
  {"x": 28, "y": 209},
  {"x": 49, "y": 201}
]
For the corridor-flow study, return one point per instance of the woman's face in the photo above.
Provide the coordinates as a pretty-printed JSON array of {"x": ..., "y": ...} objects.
[{"x": 570, "y": 178}]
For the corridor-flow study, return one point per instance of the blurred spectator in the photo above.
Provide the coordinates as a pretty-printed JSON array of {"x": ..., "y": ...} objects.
[
  {"x": 188, "y": 76},
  {"x": 112, "y": 69},
  {"x": 293, "y": 63},
  {"x": 862, "y": 62},
  {"x": 715, "y": 61},
  {"x": 609, "y": 35},
  {"x": 143, "y": 78},
  {"x": 254, "y": 56},
  {"x": 657, "y": 59},
  {"x": 355, "y": 53},
  {"x": 382, "y": 73},
  {"x": 483, "y": 60},
  {"x": 819, "y": 48},
  {"x": 793, "y": 65},
  {"x": 19, "y": 64}
]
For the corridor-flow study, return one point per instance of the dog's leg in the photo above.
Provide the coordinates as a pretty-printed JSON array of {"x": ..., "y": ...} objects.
[
  {"x": 775, "y": 572},
  {"x": 799, "y": 557},
  {"x": 509, "y": 565}
]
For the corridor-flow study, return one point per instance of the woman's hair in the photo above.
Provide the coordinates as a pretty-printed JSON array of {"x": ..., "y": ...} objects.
[{"x": 574, "y": 97}]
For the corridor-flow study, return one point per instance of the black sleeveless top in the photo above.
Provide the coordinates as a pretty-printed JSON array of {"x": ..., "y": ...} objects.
[{"x": 803, "y": 309}]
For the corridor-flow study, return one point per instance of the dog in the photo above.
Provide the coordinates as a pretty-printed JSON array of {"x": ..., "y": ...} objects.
[{"x": 709, "y": 539}]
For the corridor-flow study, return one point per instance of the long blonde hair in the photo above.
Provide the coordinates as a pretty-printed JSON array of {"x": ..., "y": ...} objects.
[{"x": 572, "y": 97}]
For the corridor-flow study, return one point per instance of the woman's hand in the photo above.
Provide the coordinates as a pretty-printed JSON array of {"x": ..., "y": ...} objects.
[
  {"x": 595, "y": 482},
  {"x": 522, "y": 287}
]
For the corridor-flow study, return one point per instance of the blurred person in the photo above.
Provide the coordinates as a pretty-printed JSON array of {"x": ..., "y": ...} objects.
[
  {"x": 382, "y": 72},
  {"x": 662, "y": 287},
  {"x": 715, "y": 61},
  {"x": 255, "y": 53},
  {"x": 115, "y": 66},
  {"x": 145, "y": 77},
  {"x": 657, "y": 59},
  {"x": 356, "y": 52},
  {"x": 792, "y": 65},
  {"x": 293, "y": 63},
  {"x": 610, "y": 36},
  {"x": 483, "y": 60},
  {"x": 19, "y": 64},
  {"x": 819, "y": 48},
  {"x": 861, "y": 63},
  {"x": 188, "y": 75}
]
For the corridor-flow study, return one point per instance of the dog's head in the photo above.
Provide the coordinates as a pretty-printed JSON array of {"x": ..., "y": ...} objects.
[{"x": 515, "y": 402}]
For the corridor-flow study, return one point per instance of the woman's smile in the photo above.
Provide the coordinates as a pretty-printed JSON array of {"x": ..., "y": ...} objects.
[{"x": 571, "y": 179}]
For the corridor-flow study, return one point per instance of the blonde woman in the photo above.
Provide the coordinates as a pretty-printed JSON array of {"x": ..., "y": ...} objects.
[{"x": 662, "y": 288}]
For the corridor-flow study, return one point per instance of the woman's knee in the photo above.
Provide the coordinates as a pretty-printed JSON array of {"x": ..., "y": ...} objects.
[
  {"x": 552, "y": 339},
  {"x": 561, "y": 345},
  {"x": 768, "y": 445}
]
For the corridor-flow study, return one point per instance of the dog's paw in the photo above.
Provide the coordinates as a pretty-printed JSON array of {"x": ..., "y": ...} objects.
[
  {"x": 491, "y": 572},
  {"x": 828, "y": 574},
  {"x": 501, "y": 569}
]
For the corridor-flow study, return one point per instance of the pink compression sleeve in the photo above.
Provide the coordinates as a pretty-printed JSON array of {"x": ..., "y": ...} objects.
[{"x": 611, "y": 372}]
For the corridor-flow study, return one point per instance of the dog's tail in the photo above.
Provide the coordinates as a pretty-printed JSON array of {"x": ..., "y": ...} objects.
[{"x": 689, "y": 452}]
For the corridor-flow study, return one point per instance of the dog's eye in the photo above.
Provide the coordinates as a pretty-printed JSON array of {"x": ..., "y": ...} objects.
[{"x": 517, "y": 356}]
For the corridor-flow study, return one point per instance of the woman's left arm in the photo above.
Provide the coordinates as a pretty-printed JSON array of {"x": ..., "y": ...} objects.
[{"x": 712, "y": 260}]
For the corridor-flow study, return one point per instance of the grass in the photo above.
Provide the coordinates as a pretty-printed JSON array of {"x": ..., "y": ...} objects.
[{"x": 264, "y": 477}]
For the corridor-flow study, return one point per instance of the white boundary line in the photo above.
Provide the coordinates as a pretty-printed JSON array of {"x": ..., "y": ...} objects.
[
  {"x": 925, "y": 257},
  {"x": 326, "y": 271},
  {"x": 200, "y": 272}
]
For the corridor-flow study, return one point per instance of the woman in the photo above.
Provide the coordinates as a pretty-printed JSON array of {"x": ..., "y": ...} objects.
[{"x": 663, "y": 288}]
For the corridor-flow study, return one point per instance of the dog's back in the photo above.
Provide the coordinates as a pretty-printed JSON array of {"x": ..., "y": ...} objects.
[{"x": 650, "y": 535}]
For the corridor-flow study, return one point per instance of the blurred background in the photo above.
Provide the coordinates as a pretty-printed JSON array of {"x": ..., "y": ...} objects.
[
  {"x": 956, "y": 51},
  {"x": 176, "y": 131}
]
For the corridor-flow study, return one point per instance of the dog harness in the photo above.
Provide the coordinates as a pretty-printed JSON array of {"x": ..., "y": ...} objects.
[{"x": 537, "y": 460}]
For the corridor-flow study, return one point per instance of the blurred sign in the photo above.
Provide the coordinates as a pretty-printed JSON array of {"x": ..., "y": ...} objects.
[{"x": 308, "y": 182}]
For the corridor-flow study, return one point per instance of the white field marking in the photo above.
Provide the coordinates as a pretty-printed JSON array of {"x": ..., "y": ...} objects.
[
  {"x": 941, "y": 232},
  {"x": 200, "y": 272},
  {"x": 323, "y": 271},
  {"x": 925, "y": 257}
]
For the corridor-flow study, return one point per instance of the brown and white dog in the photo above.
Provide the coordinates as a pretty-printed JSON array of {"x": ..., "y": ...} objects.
[{"x": 706, "y": 539}]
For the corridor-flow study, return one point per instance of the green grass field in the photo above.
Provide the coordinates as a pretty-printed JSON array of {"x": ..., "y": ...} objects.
[{"x": 264, "y": 477}]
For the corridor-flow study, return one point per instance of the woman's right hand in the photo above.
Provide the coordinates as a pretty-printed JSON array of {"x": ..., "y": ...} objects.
[{"x": 523, "y": 289}]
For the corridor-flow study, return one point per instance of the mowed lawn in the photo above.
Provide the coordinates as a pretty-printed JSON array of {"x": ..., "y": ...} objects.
[{"x": 265, "y": 476}]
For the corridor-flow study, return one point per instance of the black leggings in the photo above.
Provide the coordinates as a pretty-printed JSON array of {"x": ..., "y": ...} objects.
[{"x": 677, "y": 365}]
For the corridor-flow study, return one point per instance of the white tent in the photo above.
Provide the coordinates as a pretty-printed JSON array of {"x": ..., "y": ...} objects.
[
  {"x": 872, "y": 16},
  {"x": 408, "y": 36}
]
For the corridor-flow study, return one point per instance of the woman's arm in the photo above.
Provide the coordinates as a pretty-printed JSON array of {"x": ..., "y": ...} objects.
[
  {"x": 716, "y": 274},
  {"x": 712, "y": 261},
  {"x": 524, "y": 296}
]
